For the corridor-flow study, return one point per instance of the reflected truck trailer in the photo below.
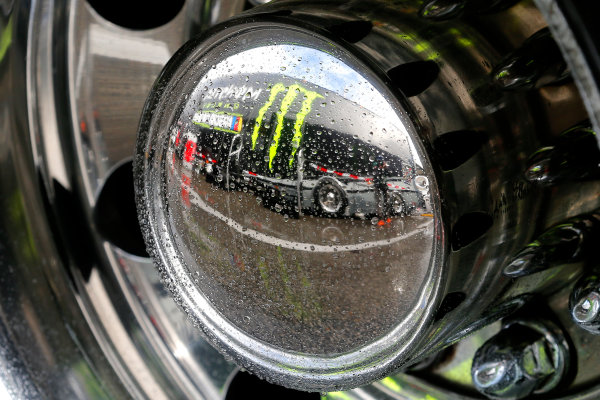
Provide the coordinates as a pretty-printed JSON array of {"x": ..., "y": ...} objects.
[{"x": 284, "y": 141}]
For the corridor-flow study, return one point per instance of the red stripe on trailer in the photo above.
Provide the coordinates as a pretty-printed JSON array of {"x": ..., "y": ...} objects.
[{"x": 323, "y": 169}]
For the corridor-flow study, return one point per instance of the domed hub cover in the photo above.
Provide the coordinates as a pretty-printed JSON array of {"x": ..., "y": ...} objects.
[{"x": 290, "y": 206}]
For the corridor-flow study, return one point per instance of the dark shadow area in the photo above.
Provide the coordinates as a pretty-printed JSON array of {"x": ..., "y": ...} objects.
[
  {"x": 452, "y": 149},
  {"x": 469, "y": 228},
  {"x": 137, "y": 14},
  {"x": 450, "y": 302},
  {"x": 115, "y": 214},
  {"x": 352, "y": 31},
  {"x": 414, "y": 77},
  {"x": 245, "y": 385}
]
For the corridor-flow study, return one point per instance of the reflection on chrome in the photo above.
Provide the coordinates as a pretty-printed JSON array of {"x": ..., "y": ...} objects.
[
  {"x": 265, "y": 158},
  {"x": 190, "y": 196},
  {"x": 329, "y": 147},
  {"x": 260, "y": 163},
  {"x": 296, "y": 216}
]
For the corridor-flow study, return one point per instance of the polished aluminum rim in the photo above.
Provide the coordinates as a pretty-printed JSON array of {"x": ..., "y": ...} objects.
[{"x": 122, "y": 293}]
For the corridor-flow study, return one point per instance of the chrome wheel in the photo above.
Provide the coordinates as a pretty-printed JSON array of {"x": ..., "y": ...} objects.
[{"x": 85, "y": 313}]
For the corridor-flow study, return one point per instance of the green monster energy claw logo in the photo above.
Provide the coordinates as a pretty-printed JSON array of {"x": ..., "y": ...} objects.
[{"x": 288, "y": 99}]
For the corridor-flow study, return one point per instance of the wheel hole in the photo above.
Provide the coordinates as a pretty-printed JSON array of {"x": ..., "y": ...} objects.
[
  {"x": 452, "y": 149},
  {"x": 115, "y": 213},
  {"x": 469, "y": 228},
  {"x": 137, "y": 14},
  {"x": 352, "y": 31},
  {"x": 450, "y": 302},
  {"x": 415, "y": 77},
  {"x": 72, "y": 227},
  {"x": 244, "y": 384}
]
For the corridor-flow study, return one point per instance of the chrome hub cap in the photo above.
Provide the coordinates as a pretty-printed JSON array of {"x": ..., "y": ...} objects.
[
  {"x": 272, "y": 107},
  {"x": 386, "y": 129}
]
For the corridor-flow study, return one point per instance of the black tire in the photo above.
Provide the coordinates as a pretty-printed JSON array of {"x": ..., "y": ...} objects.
[{"x": 396, "y": 204}]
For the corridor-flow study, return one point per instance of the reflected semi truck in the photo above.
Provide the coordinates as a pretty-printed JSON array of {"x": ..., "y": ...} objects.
[{"x": 284, "y": 143}]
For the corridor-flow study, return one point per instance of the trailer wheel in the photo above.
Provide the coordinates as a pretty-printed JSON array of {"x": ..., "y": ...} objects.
[
  {"x": 396, "y": 204},
  {"x": 330, "y": 198}
]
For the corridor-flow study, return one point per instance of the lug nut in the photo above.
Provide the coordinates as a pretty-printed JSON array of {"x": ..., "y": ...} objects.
[
  {"x": 585, "y": 303},
  {"x": 575, "y": 157},
  {"x": 441, "y": 10},
  {"x": 525, "y": 357},
  {"x": 587, "y": 309},
  {"x": 561, "y": 244},
  {"x": 536, "y": 63}
]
